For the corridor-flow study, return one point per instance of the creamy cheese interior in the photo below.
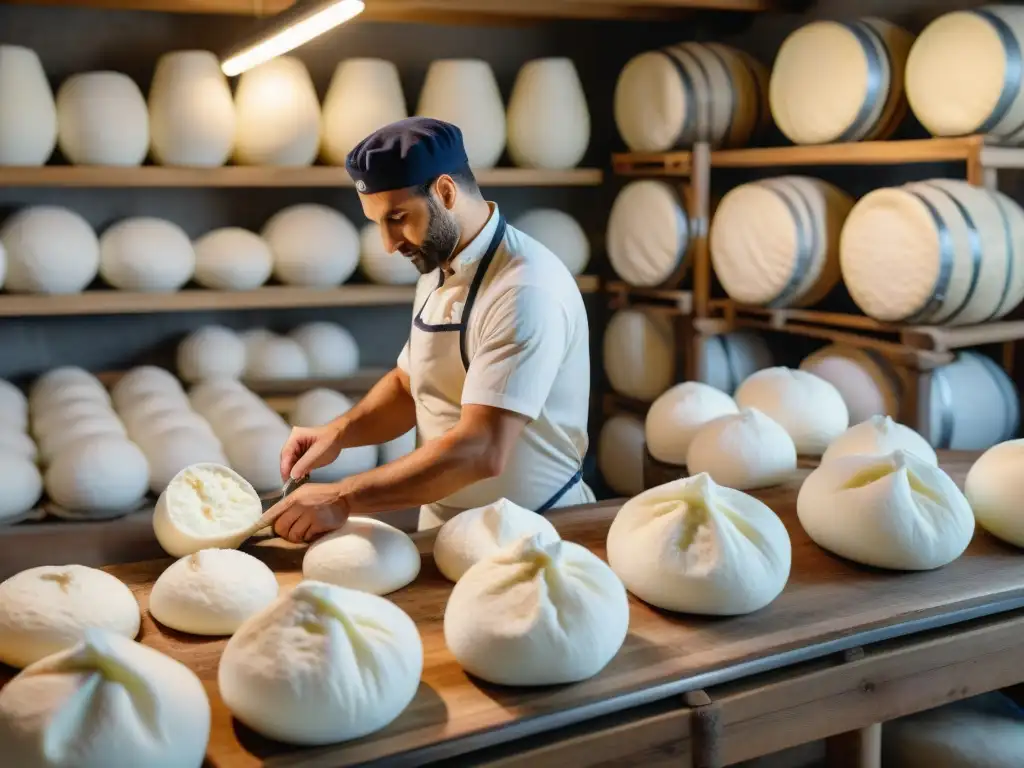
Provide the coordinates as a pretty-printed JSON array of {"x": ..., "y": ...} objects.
[{"x": 208, "y": 499}]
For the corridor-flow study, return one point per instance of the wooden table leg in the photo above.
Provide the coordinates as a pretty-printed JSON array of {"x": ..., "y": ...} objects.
[{"x": 855, "y": 749}]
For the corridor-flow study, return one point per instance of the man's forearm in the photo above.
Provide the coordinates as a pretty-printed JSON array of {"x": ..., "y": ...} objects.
[{"x": 385, "y": 413}]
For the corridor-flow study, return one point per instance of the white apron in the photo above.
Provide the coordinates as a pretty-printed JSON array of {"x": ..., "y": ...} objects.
[{"x": 438, "y": 361}]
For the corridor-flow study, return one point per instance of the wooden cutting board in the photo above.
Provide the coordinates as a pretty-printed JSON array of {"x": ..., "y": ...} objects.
[{"x": 826, "y": 598}]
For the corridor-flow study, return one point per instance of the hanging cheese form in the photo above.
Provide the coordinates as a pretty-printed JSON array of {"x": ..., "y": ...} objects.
[
  {"x": 191, "y": 112},
  {"x": 838, "y": 81},
  {"x": 464, "y": 92},
  {"x": 728, "y": 359},
  {"x": 49, "y": 250},
  {"x": 146, "y": 254},
  {"x": 973, "y": 404},
  {"x": 648, "y": 236},
  {"x": 676, "y": 96},
  {"x": 364, "y": 95},
  {"x": 560, "y": 233},
  {"x": 278, "y": 115},
  {"x": 867, "y": 381},
  {"x": 379, "y": 266},
  {"x": 620, "y": 454},
  {"x": 964, "y": 74},
  {"x": 102, "y": 120},
  {"x": 935, "y": 252},
  {"x": 28, "y": 114},
  {"x": 548, "y": 119},
  {"x": 639, "y": 353},
  {"x": 775, "y": 242}
]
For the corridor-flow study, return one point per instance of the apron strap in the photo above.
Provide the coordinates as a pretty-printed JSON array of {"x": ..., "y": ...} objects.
[
  {"x": 547, "y": 505},
  {"x": 474, "y": 287}
]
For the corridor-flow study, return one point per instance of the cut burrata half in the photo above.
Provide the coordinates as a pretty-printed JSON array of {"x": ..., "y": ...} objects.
[
  {"x": 364, "y": 554},
  {"x": 205, "y": 506}
]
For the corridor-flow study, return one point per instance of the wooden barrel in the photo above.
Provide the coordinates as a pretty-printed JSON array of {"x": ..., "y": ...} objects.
[
  {"x": 836, "y": 81},
  {"x": 676, "y": 96},
  {"x": 649, "y": 234},
  {"x": 728, "y": 359},
  {"x": 867, "y": 381},
  {"x": 936, "y": 252},
  {"x": 620, "y": 452},
  {"x": 965, "y": 74},
  {"x": 639, "y": 353},
  {"x": 973, "y": 404},
  {"x": 775, "y": 242}
]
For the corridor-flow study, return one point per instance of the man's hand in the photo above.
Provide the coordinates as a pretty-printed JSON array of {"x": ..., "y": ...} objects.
[
  {"x": 309, "y": 511},
  {"x": 309, "y": 448}
]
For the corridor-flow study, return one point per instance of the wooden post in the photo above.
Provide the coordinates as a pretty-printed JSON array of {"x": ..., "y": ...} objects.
[
  {"x": 855, "y": 749},
  {"x": 700, "y": 195}
]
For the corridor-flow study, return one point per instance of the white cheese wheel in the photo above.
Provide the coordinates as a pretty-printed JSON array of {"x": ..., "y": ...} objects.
[
  {"x": 364, "y": 554},
  {"x": 45, "y": 609},
  {"x": 401, "y": 446},
  {"x": 313, "y": 245},
  {"x": 256, "y": 454},
  {"x": 560, "y": 233},
  {"x": 620, "y": 454},
  {"x": 98, "y": 476},
  {"x": 212, "y": 352},
  {"x": 879, "y": 435},
  {"x": 174, "y": 450},
  {"x": 146, "y": 254},
  {"x": 22, "y": 484},
  {"x": 940, "y": 251},
  {"x": 648, "y": 236},
  {"x": 16, "y": 442},
  {"x": 548, "y": 119},
  {"x": 322, "y": 664},
  {"x": 639, "y": 353},
  {"x": 102, "y": 120},
  {"x": 379, "y": 266},
  {"x": 479, "y": 533},
  {"x": 49, "y": 250},
  {"x": 27, "y": 109},
  {"x": 728, "y": 359},
  {"x": 191, "y": 112},
  {"x": 674, "y": 419},
  {"x": 232, "y": 259},
  {"x": 464, "y": 92},
  {"x": 775, "y": 242},
  {"x": 276, "y": 358},
  {"x": 973, "y": 404},
  {"x": 682, "y": 94},
  {"x": 278, "y": 115},
  {"x": 892, "y": 511},
  {"x": 561, "y": 635},
  {"x": 330, "y": 348},
  {"x": 868, "y": 382},
  {"x": 142, "y": 382},
  {"x": 105, "y": 700},
  {"x": 212, "y": 592},
  {"x": 964, "y": 74},
  {"x": 809, "y": 408},
  {"x": 695, "y": 546},
  {"x": 838, "y": 81},
  {"x": 365, "y": 94},
  {"x": 13, "y": 406},
  {"x": 744, "y": 451},
  {"x": 994, "y": 487}
]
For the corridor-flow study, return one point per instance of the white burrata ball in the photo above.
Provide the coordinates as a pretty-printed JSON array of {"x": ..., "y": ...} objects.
[
  {"x": 256, "y": 454},
  {"x": 895, "y": 511},
  {"x": 146, "y": 254},
  {"x": 313, "y": 245},
  {"x": 331, "y": 350},
  {"x": 365, "y": 554},
  {"x": 22, "y": 484},
  {"x": 207, "y": 396},
  {"x": 69, "y": 433},
  {"x": 212, "y": 352},
  {"x": 253, "y": 337},
  {"x": 695, "y": 546},
  {"x": 678, "y": 414},
  {"x": 879, "y": 435},
  {"x": 102, "y": 119},
  {"x": 13, "y": 406},
  {"x": 560, "y": 233},
  {"x": 106, "y": 700},
  {"x": 560, "y": 635},
  {"x": 49, "y": 250},
  {"x": 18, "y": 443},
  {"x": 204, "y": 506},
  {"x": 995, "y": 487},
  {"x": 57, "y": 380},
  {"x": 639, "y": 353},
  {"x": 177, "y": 449},
  {"x": 232, "y": 259},
  {"x": 744, "y": 451},
  {"x": 322, "y": 664},
  {"x": 237, "y": 417},
  {"x": 102, "y": 475},
  {"x": 67, "y": 411},
  {"x": 144, "y": 381},
  {"x": 382, "y": 267},
  {"x": 401, "y": 446},
  {"x": 276, "y": 358},
  {"x": 807, "y": 406},
  {"x": 478, "y": 533},
  {"x": 46, "y": 609},
  {"x": 212, "y": 592},
  {"x": 317, "y": 407}
]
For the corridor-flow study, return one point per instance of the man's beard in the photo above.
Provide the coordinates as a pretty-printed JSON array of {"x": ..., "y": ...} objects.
[{"x": 439, "y": 242}]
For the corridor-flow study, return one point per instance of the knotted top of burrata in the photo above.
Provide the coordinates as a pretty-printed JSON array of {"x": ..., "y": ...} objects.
[{"x": 880, "y": 435}]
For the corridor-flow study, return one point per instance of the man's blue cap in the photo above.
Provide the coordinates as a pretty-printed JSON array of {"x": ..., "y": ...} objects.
[{"x": 407, "y": 153}]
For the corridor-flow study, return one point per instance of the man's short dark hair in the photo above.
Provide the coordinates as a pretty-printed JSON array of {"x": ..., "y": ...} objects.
[{"x": 463, "y": 178}]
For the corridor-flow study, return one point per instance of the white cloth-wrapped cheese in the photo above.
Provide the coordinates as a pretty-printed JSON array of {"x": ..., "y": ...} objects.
[
  {"x": 893, "y": 511},
  {"x": 365, "y": 554},
  {"x": 682, "y": 94},
  {"x": 212, "y": 352},
  {"x": 879, "y": 435},
  {"x": 675, "y": 418},
  {"x": 620, "y": 454},
  {"x": 46, "y": 609},
  {"x": 382, "y": 267},
  {"x": 364, "y": 95},
  {"x": 278, "y": 114},
  {"x": 102, "y": 120},
  {"x": 322, "y": 664},
  {"x": 22, "y": 484},
  {"x": 560, "y": 233},
  {"x": 27, "y": 109},
  {"x": 838, "y": 81},
  {"x": 973, "y": 404},
  {"x": 330, "y": 348},
  {"x": 648, "y": 236},
  {"x": 728, "y": 359},
  {"x": 697, "y": 547},
  {"x": 745, "y": 451},
  {"x": 49, "y": 250},
  {"x": 276, "y": 358},
  {"x": 146, "y": 254},
  {"x": 639, "y": 353},
  {"x": 465, "y": 92},
  {"x": 775, "y": 242},
  {"x": 102, "y": 476},
  {"x": 232, "y": 259},
  {"x": 506, "y": 624},
  {"x": 313, "y": 245},
  {"x": 548, "y": 119},
  {"x": 868, "y": 382},
  {"x": 994, "y": 488},
  {"x": 105, "y": 702}
]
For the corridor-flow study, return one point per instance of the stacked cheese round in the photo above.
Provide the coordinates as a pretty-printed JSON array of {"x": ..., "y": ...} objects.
[
  {"x": 620, "y": 454},
  {"x": 379, "y": 266},
  {"x": 936, "y": 252},
  {"x": 673, "y": 97},
  {"x": 867, "y": 381},
  {"x": 321, "y": 406},
  {"x": 331, "y": 350},
  {"x": 639, "y": 353},
  {"x": 27, "y": 109},
  {"x": 147, "y": 254},
  {"x": 48, "y": 249},
  {"x": 775, "y": 242},
  {"x": 548, "y": 119},
  {"x": 973, "y": 404},
  {"x": 211, "y": 352},
  {"x": 964, "y": 74},
  {"x": 648, "y": 236},
  {"x": 729, "y": 358},
  {"x": 560, "y": 233},
  {"x": 22, "y": 482},
  {"x": 313, "y": 245},
  {"x": 675, "y": 418},
  {"x": 232, "y": 259},
  {"x": 838, "y": 81},
  {"x": 102, "y": 120}
]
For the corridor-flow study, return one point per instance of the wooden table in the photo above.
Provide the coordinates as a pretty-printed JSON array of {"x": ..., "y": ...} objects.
[{"x": 843, "y": 647}]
